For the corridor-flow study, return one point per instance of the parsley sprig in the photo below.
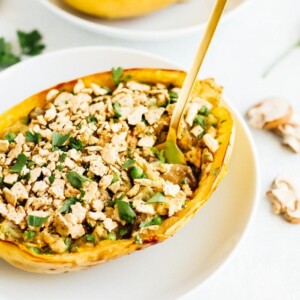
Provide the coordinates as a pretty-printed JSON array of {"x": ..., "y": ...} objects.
[
  {"x": 158, "y": 154},
  {"x": 126, "y": 213},
  {"x": 20, "y": 163},
  {"x": 7, "y": 57},
  {"x": 76, "y": 179},
  {"x": 34, "y": 137},
  {"x": 118, "y": 75},
  {"x": 29, "y": 42}
]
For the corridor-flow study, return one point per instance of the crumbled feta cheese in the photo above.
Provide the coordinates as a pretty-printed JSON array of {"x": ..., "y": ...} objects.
[
  {"x": 144, "y": 208},
  {"x": 40, "y": 187},
  {"x": 211, "y": 143},
  {"x": 57, "y": 189},
  {"x": 97, "y": 216},
  {"x": 51, "y": 95},
  {"x": 78, "y": 212},
  {"x": 136, "y": 116},
  {"x": 10, "y": 178},
  {"x": 147, "y": 141},
  {"x": 154, "y": 114},
  {"x": 98, "y": 168},
  {"x": 192, "y": 113},
  {"x": 105, "y": 181},
  {"x": 97, "y": 90},
  {"x": 109, "y": 224},
  {"x": 34, "y": 175},
  {"x": 171, "y": 189},
  {"x": 110, "y": 154},
  {"x": 91, "y": 191},
  {"x": 4, "y": 146}
]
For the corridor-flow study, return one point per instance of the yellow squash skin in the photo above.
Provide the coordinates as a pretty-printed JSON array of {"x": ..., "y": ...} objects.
[
  {"x": 118, "y": 9},
  {"x": 87, "y": 256}
]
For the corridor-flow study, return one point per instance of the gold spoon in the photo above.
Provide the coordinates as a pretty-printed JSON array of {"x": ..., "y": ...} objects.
[{"x": 171, "y": 151}]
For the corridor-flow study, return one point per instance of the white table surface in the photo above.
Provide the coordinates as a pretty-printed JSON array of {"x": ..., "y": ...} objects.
[{"x": 267, "y": 265}]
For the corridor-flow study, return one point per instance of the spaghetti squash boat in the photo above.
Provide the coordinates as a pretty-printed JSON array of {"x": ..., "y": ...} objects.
[{"x": 82, "y": 181}]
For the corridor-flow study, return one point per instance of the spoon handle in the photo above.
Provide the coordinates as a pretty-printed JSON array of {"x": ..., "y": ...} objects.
[{"x": 192, "y": 74}]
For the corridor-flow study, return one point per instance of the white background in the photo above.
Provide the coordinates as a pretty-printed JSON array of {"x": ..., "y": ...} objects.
[{"x": 267, "y": 265}]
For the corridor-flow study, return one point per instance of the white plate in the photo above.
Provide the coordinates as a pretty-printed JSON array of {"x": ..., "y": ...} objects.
[
  {"x": 167, "y": 270},
  {"x": 174, "y": 21}
]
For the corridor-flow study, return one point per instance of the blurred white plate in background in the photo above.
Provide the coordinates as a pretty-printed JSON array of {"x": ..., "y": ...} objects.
[{"x": 173, "y": 21}]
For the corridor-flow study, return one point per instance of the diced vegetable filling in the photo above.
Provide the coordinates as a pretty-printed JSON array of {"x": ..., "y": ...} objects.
[{"x": 87, "y": 169}]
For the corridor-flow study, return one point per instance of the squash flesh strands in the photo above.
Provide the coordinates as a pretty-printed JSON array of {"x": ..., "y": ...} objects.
[{"x": 20, "y": 256}]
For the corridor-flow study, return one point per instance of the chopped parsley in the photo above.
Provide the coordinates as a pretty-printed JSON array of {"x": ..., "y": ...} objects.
[
  {"x": 159, "y": 154},
  {"x": 137, "y": 239},
  {"x": 123, "y": 232},
  {"x": 215, "y": 171},
  {"x": 184, "y": 181},
  {"x": 115, "y": 178},
  {"x": 35, "y": 250},
  {"x": 157, "y": 198},
  {"x": 60, "y": 167},
  {"x": 128, "y": 163},
  {"x": 59, "y": 139},
  {"x": 76, "y": 179},
  {"x": 26, "y": 120},
  {"x": 62, "y": 157},
  {"x": 10, "y": 137},
  {"x": 173, "y": 96},
  {"x": 200, "y": 120},
  {"x": 204, "y": 111},
  {"x": 26, "y": 176},
  {"x": 111, "y": 236},
  {"x": 91, "y": 119},
  {"x": 200, "y": 136},
  {"x": 117, "y": 74},
  {"x": 117, "y": 109},
  {"x": 126, "y": 213},
  {"x": 29, "y": 235},
  {"x": 107, "y": 89},
  {"x": 90, "y": 238},
  {"x": 33, "y": 137},
  {"x": 20, "y": 164},
  {"x": 76, "y": 144},
  {"x": 30, "y": 163},
  {"x": 51, "y": 179},
  {"x": 66, "y": 208},
  {"x": 36, "y": 221},
  {"x": 155, "y": 221}
]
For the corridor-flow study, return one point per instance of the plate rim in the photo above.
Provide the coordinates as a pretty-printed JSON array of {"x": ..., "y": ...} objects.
[
  {"x": 129, "y": 34},
  {"x": 236, "y": 114},
  {"x": 254, "y": 210}
]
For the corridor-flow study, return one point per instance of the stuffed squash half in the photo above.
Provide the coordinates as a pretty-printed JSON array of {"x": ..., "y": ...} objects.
[{"x": 81, "y": 179}]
